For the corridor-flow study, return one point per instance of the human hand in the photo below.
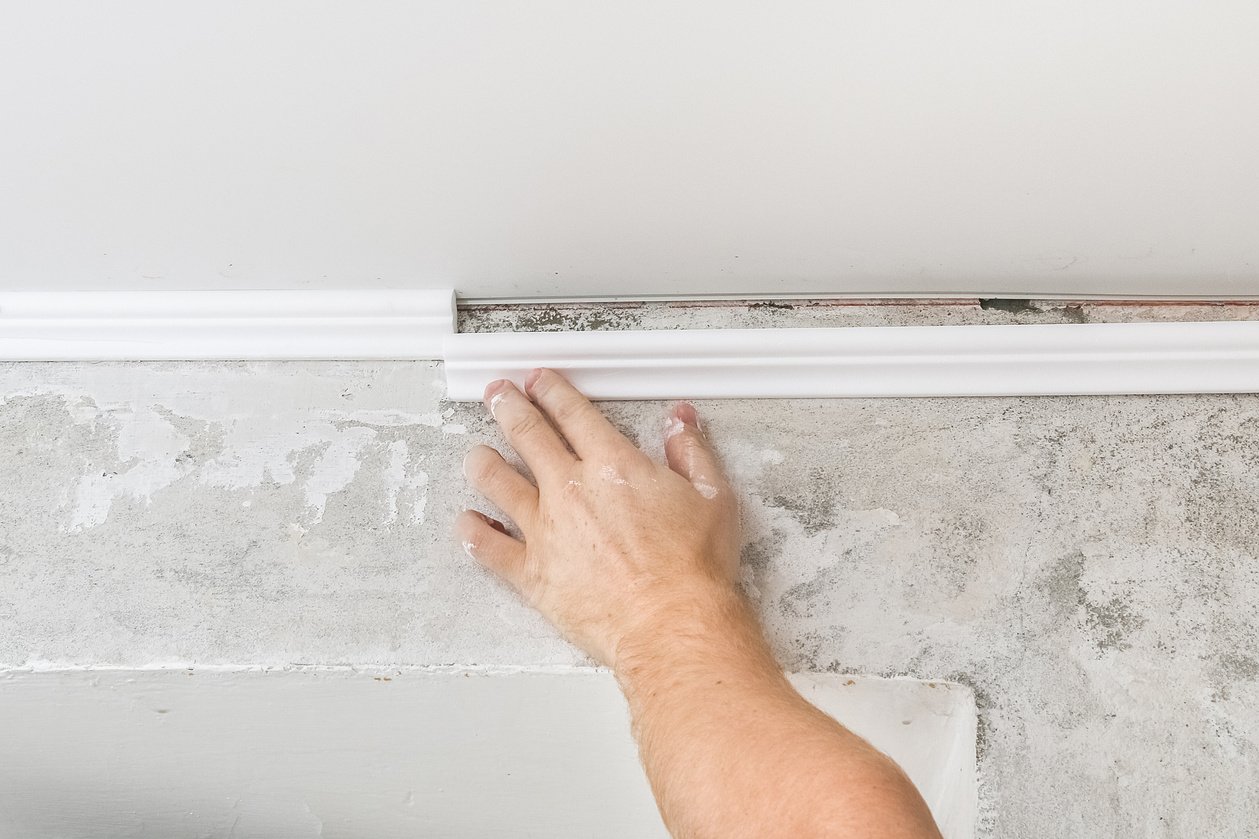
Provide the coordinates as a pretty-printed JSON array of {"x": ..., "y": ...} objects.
[{"x": 614, "y": 543}]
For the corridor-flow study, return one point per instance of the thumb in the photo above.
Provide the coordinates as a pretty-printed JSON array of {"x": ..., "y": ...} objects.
[{"x": 687, "y": 451}]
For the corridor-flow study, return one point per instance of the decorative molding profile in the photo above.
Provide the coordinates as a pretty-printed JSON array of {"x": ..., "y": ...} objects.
[
  {"x": 1068, "y": 359},
  {"x": 224, "y": 325}
]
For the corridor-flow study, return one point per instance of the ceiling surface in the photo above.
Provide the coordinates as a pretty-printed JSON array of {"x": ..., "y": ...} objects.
[{"x": 562, "y": 148}]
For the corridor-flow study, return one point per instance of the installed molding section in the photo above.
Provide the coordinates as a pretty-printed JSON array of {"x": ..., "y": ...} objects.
[
  {"x": 1068, "y": 359},
  {"x": 666, "y": 364},
  {"x": 227, "y": 325}
]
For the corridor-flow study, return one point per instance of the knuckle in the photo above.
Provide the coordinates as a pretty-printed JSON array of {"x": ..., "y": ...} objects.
[
  {"x": 526, "y": 425},
  {"x": 686, "y": 446},
  {"x": 626, "y": 463},
  {"x": 567, "y": 411}
]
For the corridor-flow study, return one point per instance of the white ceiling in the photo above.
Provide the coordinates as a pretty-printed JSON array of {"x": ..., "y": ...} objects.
[{"x": 575, "y": 148}]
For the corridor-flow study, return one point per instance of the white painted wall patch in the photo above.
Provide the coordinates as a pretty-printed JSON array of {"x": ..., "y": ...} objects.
[{"x": 382, "y": 753}]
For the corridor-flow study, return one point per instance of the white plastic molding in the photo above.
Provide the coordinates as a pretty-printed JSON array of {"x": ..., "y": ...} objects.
[
  {"x": 1068, "y": 359},
  {"x": 228, "y": 325}
]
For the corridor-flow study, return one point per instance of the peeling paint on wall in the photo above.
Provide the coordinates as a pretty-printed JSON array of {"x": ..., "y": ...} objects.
[
  {"x": 136, "y": 449},
  {"x": 1089, "y": 567}
]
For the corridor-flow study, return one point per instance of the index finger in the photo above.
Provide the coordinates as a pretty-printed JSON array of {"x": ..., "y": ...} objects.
[{"x": 528, "y": 431}]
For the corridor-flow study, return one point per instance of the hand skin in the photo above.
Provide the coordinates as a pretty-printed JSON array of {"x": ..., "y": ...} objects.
[{"x": 637, "y": 564}]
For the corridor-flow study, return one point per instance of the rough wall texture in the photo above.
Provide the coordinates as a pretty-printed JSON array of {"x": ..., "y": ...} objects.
[{"x": 1090, "y": 566}]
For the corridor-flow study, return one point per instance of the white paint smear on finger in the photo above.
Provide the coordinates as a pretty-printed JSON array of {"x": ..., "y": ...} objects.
[{"x": 707, "y": 490}]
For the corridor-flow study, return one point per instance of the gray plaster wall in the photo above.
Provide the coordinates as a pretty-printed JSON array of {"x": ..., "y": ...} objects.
[{"x": 1089, "y": 566}]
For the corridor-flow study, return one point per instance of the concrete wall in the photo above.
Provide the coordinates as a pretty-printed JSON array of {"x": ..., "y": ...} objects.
[{"x": 1087, "y": 565}]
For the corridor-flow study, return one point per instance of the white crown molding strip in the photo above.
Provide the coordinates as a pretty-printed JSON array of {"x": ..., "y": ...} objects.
[
  {"x": 1068, "y": 359},
  {"x": 224, "y": 325}
]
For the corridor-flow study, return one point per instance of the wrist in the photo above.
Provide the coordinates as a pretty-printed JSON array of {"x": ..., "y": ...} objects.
[{"x": 703, "y": 629}]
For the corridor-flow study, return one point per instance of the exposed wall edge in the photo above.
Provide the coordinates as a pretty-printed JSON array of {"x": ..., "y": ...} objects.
[
  {"x": 226, "y": 325},
  {"x": 1069, "y": 359}
]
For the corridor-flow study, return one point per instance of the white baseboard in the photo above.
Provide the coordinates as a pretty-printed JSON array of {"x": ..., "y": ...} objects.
[
  {"x": 226, "y": 325},
  {"x": 1068, "y": 359}
]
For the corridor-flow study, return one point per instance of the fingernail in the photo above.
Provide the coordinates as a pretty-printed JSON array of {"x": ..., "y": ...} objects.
[
  {"x": 532, "y": 378},
  {"x": 492, "y": 388},
  {"x": 494, "y": 393},
  {"x": 686, "y": 412},
  {"x": 673, "y": 427}
]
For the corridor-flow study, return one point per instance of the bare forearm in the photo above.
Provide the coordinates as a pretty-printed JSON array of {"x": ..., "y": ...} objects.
[{"x": 731, "y": 749}]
